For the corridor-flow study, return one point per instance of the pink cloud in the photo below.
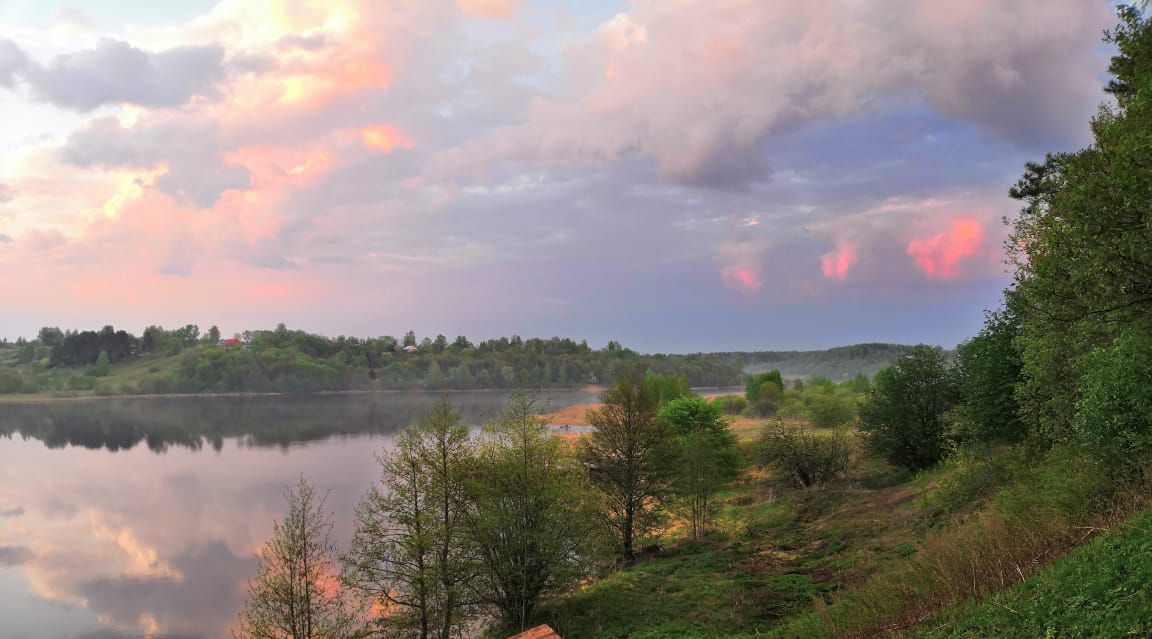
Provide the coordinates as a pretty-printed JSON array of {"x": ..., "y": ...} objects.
[
  {"x": 384, "y": 138},
  {"x": 488, "y": 8},
  {"x": 744, "y": 279},
  {"x": 938, "y": 256},
  {"x": 836, "y": 264}
]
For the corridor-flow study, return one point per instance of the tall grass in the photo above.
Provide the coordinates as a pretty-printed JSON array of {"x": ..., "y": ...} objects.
[{"x": 1054, "y": 506}]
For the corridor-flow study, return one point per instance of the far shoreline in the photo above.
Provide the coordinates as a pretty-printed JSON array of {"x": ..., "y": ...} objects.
[{"x": 43, "y": 398}]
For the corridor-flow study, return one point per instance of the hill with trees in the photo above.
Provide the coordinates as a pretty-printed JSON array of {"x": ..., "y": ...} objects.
[
  {"x": 837, "y": 364},
  {"x": 183, "y": 360}
]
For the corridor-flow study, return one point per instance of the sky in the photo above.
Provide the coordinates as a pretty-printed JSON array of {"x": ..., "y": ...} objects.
[{"x": 678, "y": 175}]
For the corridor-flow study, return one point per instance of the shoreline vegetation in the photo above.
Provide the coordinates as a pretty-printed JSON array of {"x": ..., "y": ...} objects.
[
  {"x": 29, "y": 398},
  {"x": 182, "y": 361}
]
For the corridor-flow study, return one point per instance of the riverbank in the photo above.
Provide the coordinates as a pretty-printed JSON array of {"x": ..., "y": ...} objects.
[{"x": 39, "y": 398}]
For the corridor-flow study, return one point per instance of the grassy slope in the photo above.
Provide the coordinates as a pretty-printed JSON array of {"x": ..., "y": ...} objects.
[
  {"x": 851, "y": 560},
  {"x": 773, "y": 549},
  {"x": 1102, "y": 590},
  {"x": 122, "y": 374}
]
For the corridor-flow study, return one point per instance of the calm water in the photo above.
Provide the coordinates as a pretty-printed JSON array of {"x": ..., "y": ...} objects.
[{"x": 128, "y": 518}]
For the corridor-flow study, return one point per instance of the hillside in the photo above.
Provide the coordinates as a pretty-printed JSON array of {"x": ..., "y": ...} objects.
[
  {"x": 837, "y": 364},
  {"x": 1099, "y": 591},
  {"x": 161, "y": 361}
]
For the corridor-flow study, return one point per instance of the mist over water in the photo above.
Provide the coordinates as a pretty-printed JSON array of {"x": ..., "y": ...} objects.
[{"x": 123, "y": 518}]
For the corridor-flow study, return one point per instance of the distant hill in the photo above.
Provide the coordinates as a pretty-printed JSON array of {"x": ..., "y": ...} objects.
[{"x": 837, "y": 364}]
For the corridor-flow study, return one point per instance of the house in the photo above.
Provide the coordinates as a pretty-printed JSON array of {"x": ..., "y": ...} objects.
[
  {"x": 410, "y": 349},
  {"x": 543, "y": 631},
  {"x": 230, "y": 343}
]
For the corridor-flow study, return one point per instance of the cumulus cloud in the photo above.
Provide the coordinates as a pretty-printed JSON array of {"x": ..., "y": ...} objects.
[
  {"x": 488, "y": 8},
  {"x": 14, "y": 555},
  {"x": 12, "y": 62},
  {"x": 696, "y": 86},
  {"x": 6, "y": 194},
  {"x": 187, "y": 149},
  {"x": 939, "y": 255},
  {"x": 837, "y": 263},
  {"x": 116, "y": 72}
]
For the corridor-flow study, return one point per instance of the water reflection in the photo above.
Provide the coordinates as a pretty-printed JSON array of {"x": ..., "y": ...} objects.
[{"x": 128, "y": 543}]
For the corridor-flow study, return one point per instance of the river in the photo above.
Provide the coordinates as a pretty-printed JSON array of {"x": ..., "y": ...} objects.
[{"x": 142, "y": 517}]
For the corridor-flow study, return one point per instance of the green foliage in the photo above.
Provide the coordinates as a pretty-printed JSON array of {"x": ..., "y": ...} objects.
[
  {"x": 903, "y": 416},
  {"x": 805, "y": 458},
  {"x": 666, "y": 388},
  {"x": 839, "y": 363},
  {"x": 284, "y": 360},
  {"x": 1082, "y": 244},
  {"x": 411, "y": 551},
  {"x": 533, "y": 517},
  {"x": 102, "y": 366},
  {"x": 826, "y": 410},
  {"x": 754, "y": 390},
  {"x": 1114, "y": 416},
  {"x": 434, "y": 377},
  {"x": 707, "y": 457},
  {"x": 10, "y": 382},
  {"x": 730, "y": 404},
  {"x": 989, "y": 370},
  {"x": 629, "y": 453},
  {"x": 690, "y": 414}
]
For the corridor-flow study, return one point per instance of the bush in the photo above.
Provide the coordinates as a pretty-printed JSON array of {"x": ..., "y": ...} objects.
[
  {"x": 829, "y": 411},
  {"x": 10, "y": 382},
  {"x": 904, "y": 416},
  {"x": 805, "y": 458},
  {"x": 730, "y": 404},
  {"x": 1114, "y": 416}
]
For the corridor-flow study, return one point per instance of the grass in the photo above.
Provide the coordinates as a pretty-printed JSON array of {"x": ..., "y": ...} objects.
[
  {"x": 1054, "y": 505},
  {"x": 772, "y": 551},
  {"x": 875, "y": 555},
  {"x": 1099, "y": 591}
]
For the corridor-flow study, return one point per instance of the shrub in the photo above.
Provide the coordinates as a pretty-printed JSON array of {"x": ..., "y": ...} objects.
[
  {"x": 10, "y": 382},
  {"x": 730, "y": 404},
  {"x": 829, "y": 411},
  {"x": 805, "y": 458}
]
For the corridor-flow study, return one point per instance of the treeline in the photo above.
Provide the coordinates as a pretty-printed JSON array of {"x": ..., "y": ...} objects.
[
  {"x": 465, "y": 532},
  {"x": 284, "y": 360},
  {"x": 1060, "y": 376},
  {"x": 837, "y": 363}
]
